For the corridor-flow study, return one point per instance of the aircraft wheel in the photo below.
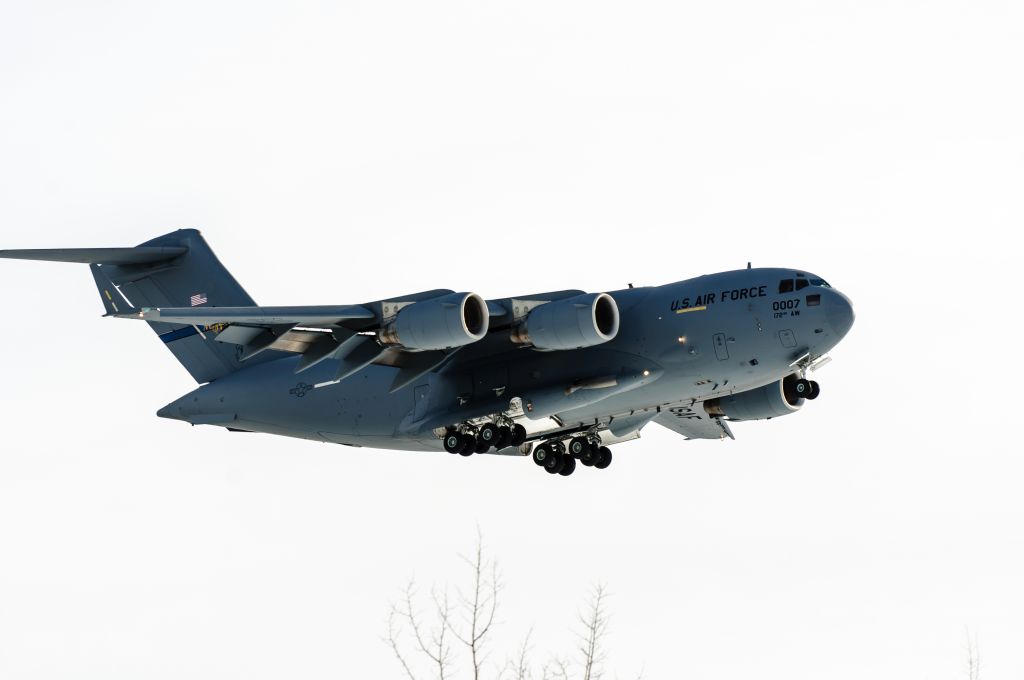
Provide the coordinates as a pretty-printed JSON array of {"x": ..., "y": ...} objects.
[
  {"x": 568, "y": 466},
  {"x": 815, "y": 390},
  {"x": 453, "y": 442},
  {"x": 802, "y": 388},
  {"x": 468, "y": 445},
  {"x": 591, "y": 455},
  {"x": 504, "y": 437},
  {"x": 542, "y": 453},
  {"x": 577, "y": 446},
  {"x": 518, "y": 435},
  {"x": 489, "y": 434},
  {"x": 605, "y": 458},
  {"x": 481, "y": 445},
  {"x": 555, "y": 463}
]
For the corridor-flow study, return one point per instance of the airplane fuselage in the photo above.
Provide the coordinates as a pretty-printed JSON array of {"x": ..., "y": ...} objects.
[{"x": 678, "y": 345}]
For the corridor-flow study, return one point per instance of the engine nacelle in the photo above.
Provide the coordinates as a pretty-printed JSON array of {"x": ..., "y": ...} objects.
[
  {"x": 771, "y": 401},
  {"x": 442, "y": 323},
  {"x": 581, "y": 321}
]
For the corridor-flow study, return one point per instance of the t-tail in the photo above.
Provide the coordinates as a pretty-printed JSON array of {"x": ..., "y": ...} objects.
[{"x": 175, "y": 270}]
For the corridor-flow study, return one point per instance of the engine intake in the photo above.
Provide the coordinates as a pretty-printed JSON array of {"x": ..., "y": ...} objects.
[
  {"x": 442, "y": 323},
  {"x": 581, "y": 321},
  {"x": 771, "y": 401}
]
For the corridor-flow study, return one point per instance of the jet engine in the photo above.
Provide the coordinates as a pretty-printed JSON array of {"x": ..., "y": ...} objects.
[
  {"x": 441, "y": 323},
  {"x": 773, "y": 400},
  {"x": 581, "y": 321}
]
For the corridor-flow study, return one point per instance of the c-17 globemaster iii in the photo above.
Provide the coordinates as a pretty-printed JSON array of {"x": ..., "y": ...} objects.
[{"x": 561, "y": 374}]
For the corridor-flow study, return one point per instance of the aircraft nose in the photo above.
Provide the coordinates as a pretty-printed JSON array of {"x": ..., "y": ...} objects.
[{"x": 839, "y": 313}]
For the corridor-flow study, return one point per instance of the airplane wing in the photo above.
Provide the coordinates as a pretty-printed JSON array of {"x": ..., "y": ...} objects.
[
  {"x": 350, "y": 334},
  {"x": 693, "y": 423},
  {"x": 324, "y": 315}
]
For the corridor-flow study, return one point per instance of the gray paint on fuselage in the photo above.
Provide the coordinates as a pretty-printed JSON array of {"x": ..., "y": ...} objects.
[{"x": 270, "y": 397}]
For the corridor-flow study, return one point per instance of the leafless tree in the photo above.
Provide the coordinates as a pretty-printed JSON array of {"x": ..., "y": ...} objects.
[
  {"x": 595, "y": 624},
  {"x": 435, "y": 647},
  {"x": 478, "y": 608},
  {"x": 973, "y": 655},
  {"x": 427, "y": 645},
  {"x": 468, "y": 621}
]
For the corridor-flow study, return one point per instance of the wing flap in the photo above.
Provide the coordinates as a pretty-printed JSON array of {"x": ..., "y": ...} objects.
[
  {"x": 693, "y": 423},
  {"x": 322, "y": 315}
]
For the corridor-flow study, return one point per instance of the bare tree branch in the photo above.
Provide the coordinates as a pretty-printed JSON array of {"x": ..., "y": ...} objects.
[
  {"x": 436, "y": 648},
  {"x": 392, "y": 640},
  {"x": 973, "y": 655},
  {"x": 469, "y": 619},
  {"x": 595, "y": 625},
  {"x": 480, "y": 608}
]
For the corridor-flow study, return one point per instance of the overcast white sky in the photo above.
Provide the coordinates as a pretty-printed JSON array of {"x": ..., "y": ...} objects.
[{"x": 340, "y": 152}]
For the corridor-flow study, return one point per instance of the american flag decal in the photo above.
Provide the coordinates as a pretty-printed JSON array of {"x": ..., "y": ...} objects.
[{"x": 198, "y": 299}]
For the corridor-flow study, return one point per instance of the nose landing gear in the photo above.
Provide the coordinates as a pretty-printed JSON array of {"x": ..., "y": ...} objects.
[{"x": 806, "y": 389}]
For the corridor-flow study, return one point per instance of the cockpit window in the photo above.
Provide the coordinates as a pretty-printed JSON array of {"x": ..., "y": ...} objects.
[{"x": 789, "y": 285}]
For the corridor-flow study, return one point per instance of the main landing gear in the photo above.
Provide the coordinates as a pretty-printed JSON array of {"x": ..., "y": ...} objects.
[
  {"x": 490, "y": 435},
  {"x": 557, "y": 458}
]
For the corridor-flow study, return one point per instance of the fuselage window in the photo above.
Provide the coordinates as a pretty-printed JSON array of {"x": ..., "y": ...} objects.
[
  {"x": 786, "y": 286},
  {"x": 813, "y": 300}
]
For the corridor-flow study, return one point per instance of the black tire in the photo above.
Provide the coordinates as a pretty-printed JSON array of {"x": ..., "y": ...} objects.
[
  {"x": 518, "y": 435},
  {"x": 591, "y": 455},
  {"x": 504, "y": 437},
  {"x": 481, "y": 446},
  {"x": 489, "y": 434},
  {"x": 801, "y": 388},
  {"x": 453, "y": 442},
  {"x": 815, "y": 390},
  {"x": 555, "y": 463},
  {"x": 568, "y": 466},
  {"x": 468, "y": 444},
  {"x": 605, "y": 458},
  {"x": 578, "y": 446},
  {"x": 542, "y": 453}
]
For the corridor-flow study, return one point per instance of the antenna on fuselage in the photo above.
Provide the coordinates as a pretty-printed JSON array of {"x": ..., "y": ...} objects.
[{"x": 748, "y": 264}]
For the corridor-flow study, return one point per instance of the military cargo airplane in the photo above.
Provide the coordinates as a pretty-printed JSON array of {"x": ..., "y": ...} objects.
[{"x": 559, "y": 376}]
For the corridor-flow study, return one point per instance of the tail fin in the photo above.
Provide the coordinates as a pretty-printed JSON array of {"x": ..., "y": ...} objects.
[{"x": 175, "y": 270}]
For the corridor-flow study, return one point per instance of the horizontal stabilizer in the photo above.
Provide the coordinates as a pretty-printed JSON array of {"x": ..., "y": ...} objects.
[
  {"x": 294, "y": 316},
  {"x": 121, "y": 256}
]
